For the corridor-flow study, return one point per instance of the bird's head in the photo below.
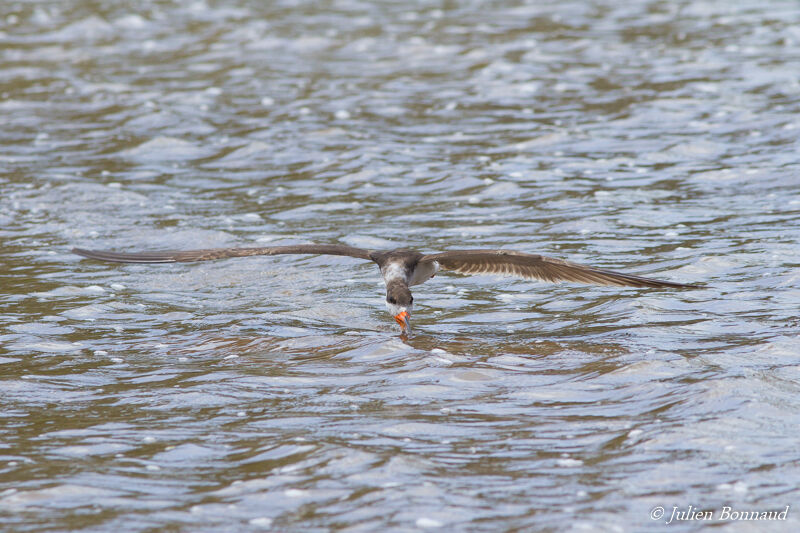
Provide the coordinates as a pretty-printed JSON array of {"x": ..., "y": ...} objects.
[{"x": 400, "y": 304}]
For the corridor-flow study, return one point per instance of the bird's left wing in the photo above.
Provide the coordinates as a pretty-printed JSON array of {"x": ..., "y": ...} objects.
[{"x": 539, "y": 267}]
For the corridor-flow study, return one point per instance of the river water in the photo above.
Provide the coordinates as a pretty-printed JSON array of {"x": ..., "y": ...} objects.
[{"x": 657, "y": 138}]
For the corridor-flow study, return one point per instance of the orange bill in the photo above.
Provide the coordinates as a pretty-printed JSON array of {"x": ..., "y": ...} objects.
[{"x": 404, "y": 320}]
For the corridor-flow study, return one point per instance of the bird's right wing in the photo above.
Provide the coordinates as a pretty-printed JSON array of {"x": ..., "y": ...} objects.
[{"x": 178, "y": 256}]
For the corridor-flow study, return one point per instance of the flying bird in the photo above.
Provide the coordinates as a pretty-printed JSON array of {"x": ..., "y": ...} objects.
[{"x": 404, "y": 268}]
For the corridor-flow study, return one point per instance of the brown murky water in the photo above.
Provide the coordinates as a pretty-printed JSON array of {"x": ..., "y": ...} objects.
[{"x": 657, "y": 138}]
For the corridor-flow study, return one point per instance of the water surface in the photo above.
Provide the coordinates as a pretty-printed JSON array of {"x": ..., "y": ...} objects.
[{"x": 657, "y": 138}]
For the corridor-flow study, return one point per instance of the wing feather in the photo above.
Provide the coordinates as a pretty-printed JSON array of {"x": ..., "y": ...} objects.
[
  {"x": 538, "y": 267},
  {"x": 181, "y": 256}
]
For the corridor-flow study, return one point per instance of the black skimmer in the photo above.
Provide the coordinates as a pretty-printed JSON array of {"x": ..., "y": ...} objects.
[{"x": 403, "y": 268}]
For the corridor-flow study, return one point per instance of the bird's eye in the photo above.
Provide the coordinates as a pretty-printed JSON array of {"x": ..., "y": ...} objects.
[
  {"x": 411, "y": 300},
  {"x": 391, "y": 300}
]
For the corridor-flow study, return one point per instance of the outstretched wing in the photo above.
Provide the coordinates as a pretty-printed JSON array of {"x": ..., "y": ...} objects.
[
  {"x": 539, "y": 267},
  {"x": 178, "y": 256}
]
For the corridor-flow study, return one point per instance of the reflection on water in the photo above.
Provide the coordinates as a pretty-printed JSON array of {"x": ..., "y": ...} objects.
[{"x": 655, "y": 138}]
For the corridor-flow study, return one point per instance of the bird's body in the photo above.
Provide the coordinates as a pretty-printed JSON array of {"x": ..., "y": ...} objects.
[{"x": 403, "y": 268}]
